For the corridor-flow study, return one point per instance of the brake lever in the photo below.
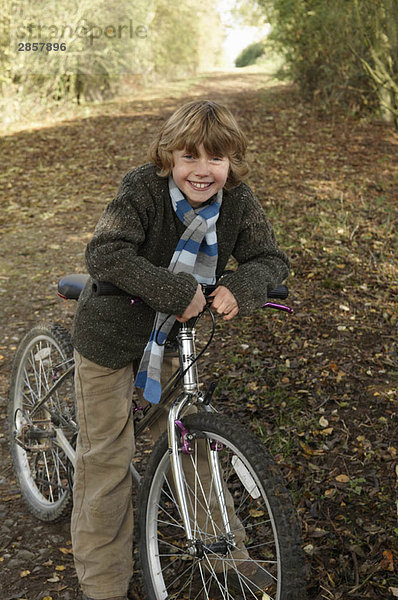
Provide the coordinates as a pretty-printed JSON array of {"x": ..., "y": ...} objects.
[{"x": 278, "y": 307}]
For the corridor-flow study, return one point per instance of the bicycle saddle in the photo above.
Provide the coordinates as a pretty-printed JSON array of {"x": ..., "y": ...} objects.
[{"x": 70, "y": 286}]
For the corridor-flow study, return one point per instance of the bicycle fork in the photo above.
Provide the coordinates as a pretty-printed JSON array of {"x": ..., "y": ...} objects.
[{"x": 179, "y": 444}]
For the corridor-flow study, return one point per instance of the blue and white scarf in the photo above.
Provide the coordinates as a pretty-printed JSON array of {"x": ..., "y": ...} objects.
[{"x": 196, "y": 253}]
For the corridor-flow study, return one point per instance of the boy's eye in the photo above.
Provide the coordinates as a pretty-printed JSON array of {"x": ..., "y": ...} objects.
[{"x": 216, "y": 159}]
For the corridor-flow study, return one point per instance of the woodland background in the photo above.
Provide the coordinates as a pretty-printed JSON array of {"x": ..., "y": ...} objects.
[{"x": 342, "y": 54}]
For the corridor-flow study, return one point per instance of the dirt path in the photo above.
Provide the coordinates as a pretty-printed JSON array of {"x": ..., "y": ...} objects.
[{"x": 320, "y": 387}]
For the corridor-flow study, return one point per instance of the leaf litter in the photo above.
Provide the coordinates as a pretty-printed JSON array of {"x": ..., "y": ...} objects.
[{"x": 319, "y": 387}]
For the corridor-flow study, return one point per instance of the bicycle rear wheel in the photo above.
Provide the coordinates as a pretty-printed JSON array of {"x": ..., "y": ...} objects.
[
  {"x": 265, "y": 560},
  {"x": 41, "y": 466}
]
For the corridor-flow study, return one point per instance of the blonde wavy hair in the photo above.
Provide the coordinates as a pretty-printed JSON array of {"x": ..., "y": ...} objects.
[{"x": 201, "y": 122}]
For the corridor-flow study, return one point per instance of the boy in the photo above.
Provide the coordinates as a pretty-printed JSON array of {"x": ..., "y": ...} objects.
[{"x": 191, "y": 198}]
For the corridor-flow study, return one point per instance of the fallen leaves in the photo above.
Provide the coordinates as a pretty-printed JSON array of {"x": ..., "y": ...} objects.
[
  {"x": 24, "y": 573},
  {"x": 9, "y": 498},
  {"x": 320, "y": 383},
  {"x": 387, "y": 563},
  {"x": 342, "y": 478},
  {"x": 326, "y": 431},
  {"x": 323, "y": 422},
  {"x": 66, "y": 550},
  {"x": 308, "y": 451},
  {"x": 256, "y": 513}
]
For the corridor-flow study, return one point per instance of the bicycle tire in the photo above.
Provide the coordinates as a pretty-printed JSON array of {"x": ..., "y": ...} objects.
[
  {"x": 43, "y": 471},
  {"x": 272, "y": 536}
]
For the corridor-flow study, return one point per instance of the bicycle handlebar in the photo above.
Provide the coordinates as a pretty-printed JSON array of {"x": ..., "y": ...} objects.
[{"x": 104, "y": 288}]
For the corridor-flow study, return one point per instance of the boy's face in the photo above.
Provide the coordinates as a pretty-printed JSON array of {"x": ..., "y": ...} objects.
[{"x": 199, "y": 177}]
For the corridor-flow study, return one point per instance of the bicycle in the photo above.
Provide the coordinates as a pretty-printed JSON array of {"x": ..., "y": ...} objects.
[{"x": 194, "y": 528}]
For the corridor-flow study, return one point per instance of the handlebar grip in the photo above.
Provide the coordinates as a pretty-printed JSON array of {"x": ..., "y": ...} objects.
[
  {"x": 104, "y": 288},
  {"x": 281, "y": 292}
]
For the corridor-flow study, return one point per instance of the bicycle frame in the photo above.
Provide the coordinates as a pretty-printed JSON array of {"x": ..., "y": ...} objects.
[{"x": 178, "y": 435}]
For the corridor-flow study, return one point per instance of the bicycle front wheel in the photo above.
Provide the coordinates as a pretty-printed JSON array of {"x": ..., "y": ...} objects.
[
  {"x": 264, "y": 559},
  {"x": 41, "y": 466}
]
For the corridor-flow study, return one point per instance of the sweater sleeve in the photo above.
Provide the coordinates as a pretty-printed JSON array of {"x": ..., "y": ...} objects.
[
  {"x": 261, "y": 264},
  {"x": 113, "y": 253}
]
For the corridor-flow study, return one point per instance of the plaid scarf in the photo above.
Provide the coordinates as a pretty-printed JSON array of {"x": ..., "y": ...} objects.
[{"x": 196, "y": 253}]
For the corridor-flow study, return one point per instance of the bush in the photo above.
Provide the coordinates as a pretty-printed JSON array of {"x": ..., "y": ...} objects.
[
  {"x": 342, "y": 53},
  {"x": 250, "y": 54}
]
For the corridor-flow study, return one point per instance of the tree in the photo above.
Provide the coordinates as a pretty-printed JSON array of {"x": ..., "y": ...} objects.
[
  {"x": 342, "y": 52},
  {"x": 56, "y": 51},
  {"x": 381, "y": 39},
  {"x": 185, "y": 37}
]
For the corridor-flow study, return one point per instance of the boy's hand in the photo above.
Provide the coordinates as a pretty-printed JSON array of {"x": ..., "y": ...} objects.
[
  {"x": 224, "y": 303},
  {"x": 195, "y": 307}
]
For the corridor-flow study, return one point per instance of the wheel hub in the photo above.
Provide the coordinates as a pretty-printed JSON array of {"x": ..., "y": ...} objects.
[{"x": 221, "y": 546}]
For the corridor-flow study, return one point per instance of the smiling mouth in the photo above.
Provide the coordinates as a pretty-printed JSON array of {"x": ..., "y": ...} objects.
[{"x": 199, "y": 185}]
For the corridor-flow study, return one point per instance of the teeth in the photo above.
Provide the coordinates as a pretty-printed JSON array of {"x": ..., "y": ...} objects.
[{"x": 200, "y": 186}]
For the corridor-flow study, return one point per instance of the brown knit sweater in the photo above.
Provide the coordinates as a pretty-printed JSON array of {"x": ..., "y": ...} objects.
[{"x": 132, "y": 246}]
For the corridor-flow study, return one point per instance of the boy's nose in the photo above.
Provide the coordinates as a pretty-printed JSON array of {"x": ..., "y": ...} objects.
[{"x": 202, "y": 167}]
